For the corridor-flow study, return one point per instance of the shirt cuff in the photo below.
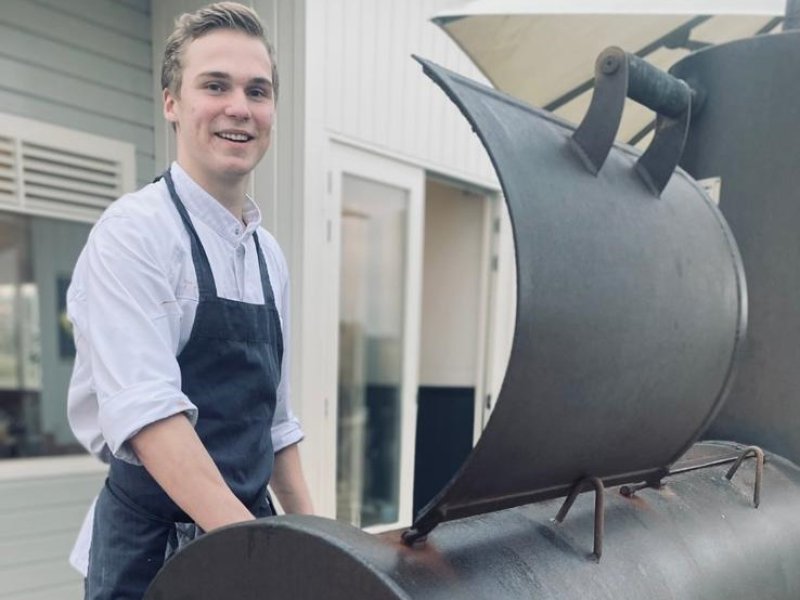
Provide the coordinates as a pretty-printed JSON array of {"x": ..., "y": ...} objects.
[
  {"x": 286, "y": 433},
  {"x": 126, "y": 413}
]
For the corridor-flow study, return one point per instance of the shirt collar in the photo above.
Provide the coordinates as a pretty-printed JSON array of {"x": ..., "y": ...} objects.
[{"x": 203, "y": 206}]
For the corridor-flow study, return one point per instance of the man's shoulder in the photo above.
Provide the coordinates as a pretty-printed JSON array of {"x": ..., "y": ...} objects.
[
  {"x": 138, "y": 220},
  {"x": 150, "y": 203}
]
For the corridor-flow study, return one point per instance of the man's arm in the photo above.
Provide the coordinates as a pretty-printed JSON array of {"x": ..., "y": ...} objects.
[
  {"x": 173, "y": 454},
  {"x": 289, "y": 483}
]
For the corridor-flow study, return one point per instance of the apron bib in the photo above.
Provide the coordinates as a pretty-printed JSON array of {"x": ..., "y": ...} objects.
[{"x": 230, "y": 369}]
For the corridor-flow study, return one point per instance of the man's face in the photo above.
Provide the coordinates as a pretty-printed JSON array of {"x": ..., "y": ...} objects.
[{"x": 224, "y": 112}]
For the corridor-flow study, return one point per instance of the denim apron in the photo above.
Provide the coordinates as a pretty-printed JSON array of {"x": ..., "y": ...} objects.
[{"x": 230, "y": 369}]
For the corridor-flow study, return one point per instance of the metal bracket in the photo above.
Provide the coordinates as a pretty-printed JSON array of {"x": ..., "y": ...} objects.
[
  {"x": 630, "y": 490},
  {"x": 422, "y": 527},
  {"x": 599, "y": 509},
  {"x": 759, "y": 454}
]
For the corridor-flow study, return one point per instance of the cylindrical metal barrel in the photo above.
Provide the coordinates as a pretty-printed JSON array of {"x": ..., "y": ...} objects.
[
  {"x": 699, "y": 537},
  {"x": 748, "y": 136}
]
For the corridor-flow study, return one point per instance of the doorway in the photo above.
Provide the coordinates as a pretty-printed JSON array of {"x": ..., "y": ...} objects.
[{"x": 457, "y": 268}]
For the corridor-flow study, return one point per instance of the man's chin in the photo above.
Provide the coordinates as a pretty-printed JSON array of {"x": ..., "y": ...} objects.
[{"x": 236, "y": 169}]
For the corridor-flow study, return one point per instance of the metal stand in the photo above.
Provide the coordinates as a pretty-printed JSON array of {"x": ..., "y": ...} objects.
[
  {"x": 759, "y": 454},
  {"x": 599, "y": 509}
]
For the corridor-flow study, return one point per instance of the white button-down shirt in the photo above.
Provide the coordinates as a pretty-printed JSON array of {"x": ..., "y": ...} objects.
[{"x": 132, "y": 303}]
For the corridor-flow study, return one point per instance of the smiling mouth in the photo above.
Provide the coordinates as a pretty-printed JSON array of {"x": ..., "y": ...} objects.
[{"x": 235, "y": 137}]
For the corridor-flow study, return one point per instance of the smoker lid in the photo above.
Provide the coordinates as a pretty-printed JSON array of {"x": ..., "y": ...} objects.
[{"x": 631, "y": 308}]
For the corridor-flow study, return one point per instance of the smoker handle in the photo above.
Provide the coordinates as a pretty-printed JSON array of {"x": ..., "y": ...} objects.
[
  {"x": 620, "y": 75},
  {"x": 650, "y": 86}
]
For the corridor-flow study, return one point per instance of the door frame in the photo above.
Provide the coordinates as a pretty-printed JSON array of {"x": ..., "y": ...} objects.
[{"x": 345, "y": 159}]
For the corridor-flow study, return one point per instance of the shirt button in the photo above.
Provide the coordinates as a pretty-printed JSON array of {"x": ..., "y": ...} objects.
[{"x": 237, "y": 231}]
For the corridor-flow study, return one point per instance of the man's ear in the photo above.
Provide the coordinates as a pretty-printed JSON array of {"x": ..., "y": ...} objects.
[{"x": 169, "y": 106}]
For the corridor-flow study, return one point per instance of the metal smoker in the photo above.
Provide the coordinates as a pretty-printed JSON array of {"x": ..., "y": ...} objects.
[{"x": 631, "y": 316}]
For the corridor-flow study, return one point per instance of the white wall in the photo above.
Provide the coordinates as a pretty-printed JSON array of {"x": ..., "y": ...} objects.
[
  {"x": 361, "y": 88},
  {"x": 452, "y": 286},
  {"x": 376, "y": 94}
]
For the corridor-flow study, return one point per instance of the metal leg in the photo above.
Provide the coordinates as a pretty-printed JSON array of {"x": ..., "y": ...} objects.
[
  {"x": 599, "y": 509},
  {"x": 759, "y": 454}
]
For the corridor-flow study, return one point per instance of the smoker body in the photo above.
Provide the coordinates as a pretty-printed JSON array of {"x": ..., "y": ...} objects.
[{"x": 698, "y": 538}]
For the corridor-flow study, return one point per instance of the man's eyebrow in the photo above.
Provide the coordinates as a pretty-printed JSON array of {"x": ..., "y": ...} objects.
[
  {"x": 215, "y": 74},
  {"x": 225, "y": 76}
]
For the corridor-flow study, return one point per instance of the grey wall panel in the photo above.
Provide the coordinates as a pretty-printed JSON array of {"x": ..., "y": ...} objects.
[
  {"x": 85, "y": 65},
  {"x": 30, "y": 49},
  {"x": 142, "y": 6},
  {"x": 75, "y": 31},
  {"x": 39, "y": 520},
  {"x": 69, "y": 591},
  {"x": 57, "y": 575},
  {"x": 84, "y": 94},
  {"x": 115, "y": 16}
]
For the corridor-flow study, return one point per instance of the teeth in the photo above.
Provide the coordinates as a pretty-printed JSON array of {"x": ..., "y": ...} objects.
[{"x": 234, "y": 137}]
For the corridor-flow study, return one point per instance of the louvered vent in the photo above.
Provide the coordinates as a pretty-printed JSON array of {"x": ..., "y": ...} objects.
[
  {"x": 8, "y": 175},
  {"x": 68, "y": 182},
  {"x": 62, "y": 173}
]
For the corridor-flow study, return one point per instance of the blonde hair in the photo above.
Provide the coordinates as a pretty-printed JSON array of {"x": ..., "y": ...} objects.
[{"x": 190, "y": 26}]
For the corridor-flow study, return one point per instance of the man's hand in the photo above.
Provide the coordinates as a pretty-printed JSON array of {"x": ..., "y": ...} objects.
[
  {"x": 289, "y": 483},
  {"x": 173, "y": 454}
]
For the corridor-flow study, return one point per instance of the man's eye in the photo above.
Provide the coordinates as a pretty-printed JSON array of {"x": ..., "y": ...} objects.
[
  {"x": 260, "y": 93},
  {"x": 214, "y": 86}
]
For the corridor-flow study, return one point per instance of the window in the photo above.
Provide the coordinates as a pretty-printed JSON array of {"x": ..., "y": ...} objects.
[
  {"x": 37, "y": 256},
  {"x": 54, "y": 182}
]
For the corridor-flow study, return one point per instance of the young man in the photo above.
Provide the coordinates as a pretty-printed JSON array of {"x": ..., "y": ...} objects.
[{"x": 180, "y": 309}]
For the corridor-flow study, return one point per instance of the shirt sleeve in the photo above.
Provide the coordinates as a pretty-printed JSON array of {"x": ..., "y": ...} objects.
[
  {"x": 286, "y": 428},
  {"x": 131, "y": 329}
]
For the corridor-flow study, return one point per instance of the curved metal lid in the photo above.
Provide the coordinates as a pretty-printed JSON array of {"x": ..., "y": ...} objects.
[{"x": 630, "y": 310}]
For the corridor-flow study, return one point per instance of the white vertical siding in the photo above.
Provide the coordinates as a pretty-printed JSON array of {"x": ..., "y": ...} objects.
[
  {"x": 375, "y": 94},
  {"x": 82, "y": 64}
]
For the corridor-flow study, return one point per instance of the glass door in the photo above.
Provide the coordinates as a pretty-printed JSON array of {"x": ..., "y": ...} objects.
[{"x": 380, "y": 239}]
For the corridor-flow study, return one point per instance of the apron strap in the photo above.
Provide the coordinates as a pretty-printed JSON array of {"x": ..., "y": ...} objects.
[
  {"x": 266, "y": 286},
  {"x": 205, "y": 279}
]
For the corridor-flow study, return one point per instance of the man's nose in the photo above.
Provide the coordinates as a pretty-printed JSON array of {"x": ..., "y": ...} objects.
[{"x": 238, "y": 105}]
